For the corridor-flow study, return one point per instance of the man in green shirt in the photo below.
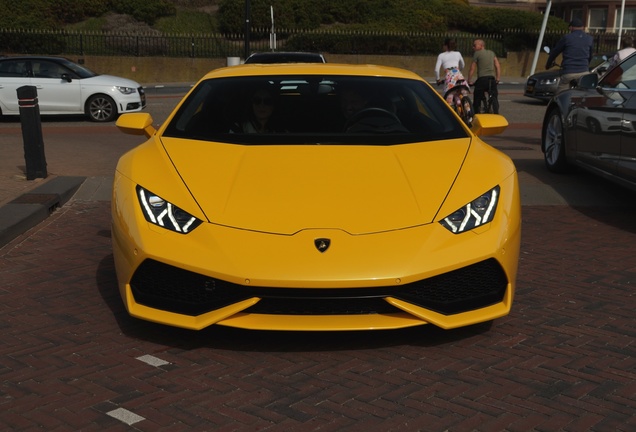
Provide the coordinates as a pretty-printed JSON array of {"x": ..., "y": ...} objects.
[{"x": 488, "y": 73}]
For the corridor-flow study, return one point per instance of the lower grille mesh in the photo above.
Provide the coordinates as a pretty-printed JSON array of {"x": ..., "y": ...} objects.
[{"x": 169, "y": 288}]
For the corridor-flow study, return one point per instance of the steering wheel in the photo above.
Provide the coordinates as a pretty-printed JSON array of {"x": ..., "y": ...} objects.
[{"x": 370, "y": 112}]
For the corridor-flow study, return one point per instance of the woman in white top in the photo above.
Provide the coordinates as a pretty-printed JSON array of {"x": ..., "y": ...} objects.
[{"x": 452, "y": 63}]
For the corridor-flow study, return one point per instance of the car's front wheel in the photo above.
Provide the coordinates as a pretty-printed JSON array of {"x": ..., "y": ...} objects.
[
  {"x": 554, "y": 142},
  {"x": 593, "y": 125},
  {"x": 101, "y": 108}
]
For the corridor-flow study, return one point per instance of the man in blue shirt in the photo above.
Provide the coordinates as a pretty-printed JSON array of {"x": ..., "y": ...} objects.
[{"x": 576, "y": 48}]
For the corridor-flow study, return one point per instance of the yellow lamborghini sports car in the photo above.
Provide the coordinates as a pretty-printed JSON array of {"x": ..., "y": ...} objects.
[{"x": 315, "y": 197}]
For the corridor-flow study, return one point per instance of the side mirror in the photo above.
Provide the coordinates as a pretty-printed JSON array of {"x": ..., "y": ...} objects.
[
  {"x": 489, "y": 124},
  {"x": 136, "y": 124},
  {"x": 589, "y": 81},
  {"x": 66, "y": 77}
]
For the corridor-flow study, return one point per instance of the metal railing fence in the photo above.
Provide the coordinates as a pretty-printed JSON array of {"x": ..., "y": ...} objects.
[{"x": 15, "y": 41}]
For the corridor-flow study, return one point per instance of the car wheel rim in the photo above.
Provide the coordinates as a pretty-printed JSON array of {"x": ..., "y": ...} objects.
[
  {"x": 592, "y": 126},
  {"x": 101, "y": 109},
  {"x": 553, "y": 139}
]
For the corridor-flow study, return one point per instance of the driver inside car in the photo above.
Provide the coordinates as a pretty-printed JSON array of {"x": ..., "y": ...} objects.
[
  {"x": 364, "y": 114},
  {"x": 352, "y": 101}
]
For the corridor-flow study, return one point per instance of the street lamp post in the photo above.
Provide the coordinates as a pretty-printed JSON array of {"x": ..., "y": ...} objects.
[
  {"x": 620, "y": 27},
  {"x": 537, "y": 51}
]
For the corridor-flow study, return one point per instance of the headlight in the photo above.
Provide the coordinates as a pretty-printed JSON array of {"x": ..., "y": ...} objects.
[
  {"x": 126, "y": 90},
  {"x": 549, "y": 81},
  {"x": 160, "y": 212},
  {"x": 474, "y": 214}
]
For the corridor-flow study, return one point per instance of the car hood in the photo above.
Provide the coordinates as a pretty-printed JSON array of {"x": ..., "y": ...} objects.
[
  {"x": 288, "y": 188},
  {"x": 110, "y": 80},
  {"x": 545, "y": 75}
]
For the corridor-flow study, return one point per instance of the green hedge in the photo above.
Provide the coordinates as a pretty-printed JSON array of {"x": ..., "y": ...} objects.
[
  {"x": 55, "y": 14},
  {"x": 380, "y": 15},
  {"x": 184, "y": 16}
]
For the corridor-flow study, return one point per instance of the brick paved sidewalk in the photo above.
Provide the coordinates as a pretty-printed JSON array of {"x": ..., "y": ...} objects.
[
  {"x": 565, "y": 358},
  {"x": 92, "y": 151},
  {"x": 74, "y": 152}
]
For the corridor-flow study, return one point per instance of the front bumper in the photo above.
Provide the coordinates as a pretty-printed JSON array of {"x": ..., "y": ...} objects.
[
  {"x": 134, "y": 102},
  {"x": 537, "y": 90},
  {"x": 389, "y": 280}
]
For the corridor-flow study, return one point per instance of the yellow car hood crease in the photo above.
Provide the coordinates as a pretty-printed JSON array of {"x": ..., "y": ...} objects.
[{"x": 283, "y": 189}]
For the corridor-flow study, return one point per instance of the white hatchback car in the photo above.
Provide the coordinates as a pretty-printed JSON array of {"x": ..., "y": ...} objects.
[{"x": 64, "y": 87}]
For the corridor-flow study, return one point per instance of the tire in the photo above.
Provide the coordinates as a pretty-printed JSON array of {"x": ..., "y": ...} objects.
[
  {"x": 487, "y": 107},
  {"x": 553, "y": 142},
  {"x": 457, "y": 109},
  {"x": 492, "y": 106},
  {"x": 467, "y": 112},
  {"x": 101, "y": 108},
  {"x": 593, "y": 125}
]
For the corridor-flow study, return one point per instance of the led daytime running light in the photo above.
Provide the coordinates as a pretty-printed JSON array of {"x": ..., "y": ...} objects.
[
  {"x": 473, "y": 214},
  {"x": 160, "y": 212}
]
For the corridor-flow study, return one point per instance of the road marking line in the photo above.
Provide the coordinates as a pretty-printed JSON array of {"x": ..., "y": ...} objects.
[
  {"x": 125, "y": 416},
  {"x": 152, "y": 360}
]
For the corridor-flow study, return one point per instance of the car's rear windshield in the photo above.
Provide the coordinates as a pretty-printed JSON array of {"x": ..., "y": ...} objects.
[{"x": 312, "y": 109}]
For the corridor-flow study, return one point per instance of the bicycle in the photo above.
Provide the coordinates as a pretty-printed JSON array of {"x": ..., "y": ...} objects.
[
  {"x": 461, "y": 102},
  {"x": 490, "y": 103}
]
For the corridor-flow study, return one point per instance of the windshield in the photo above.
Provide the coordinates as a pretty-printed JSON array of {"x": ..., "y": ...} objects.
[
  {"x": 309, "y": 109},
  {"x": 81, "y": 71},
  {"x": 623, "y": 76},
  {"x": 278, "y": 57}
]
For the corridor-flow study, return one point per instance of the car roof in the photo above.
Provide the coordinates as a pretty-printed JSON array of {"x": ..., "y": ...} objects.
[
  {"x": 31, "y": 57},
  {"x": 285, "y": 57},
  {"x": 257, "y": 69}
]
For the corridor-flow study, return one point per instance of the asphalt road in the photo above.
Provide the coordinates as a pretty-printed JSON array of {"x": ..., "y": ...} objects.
[{"x": 563, "y": 360}]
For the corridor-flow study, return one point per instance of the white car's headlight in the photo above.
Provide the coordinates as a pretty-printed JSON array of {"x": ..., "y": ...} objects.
[
  {"x": 476, "y": 213},
  {"x": 126, "y": 90},
  {"x": 160, "y": 212}
]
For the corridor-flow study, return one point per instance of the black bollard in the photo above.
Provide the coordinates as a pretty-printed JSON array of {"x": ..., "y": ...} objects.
[{"x": 32, "y": 132}]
